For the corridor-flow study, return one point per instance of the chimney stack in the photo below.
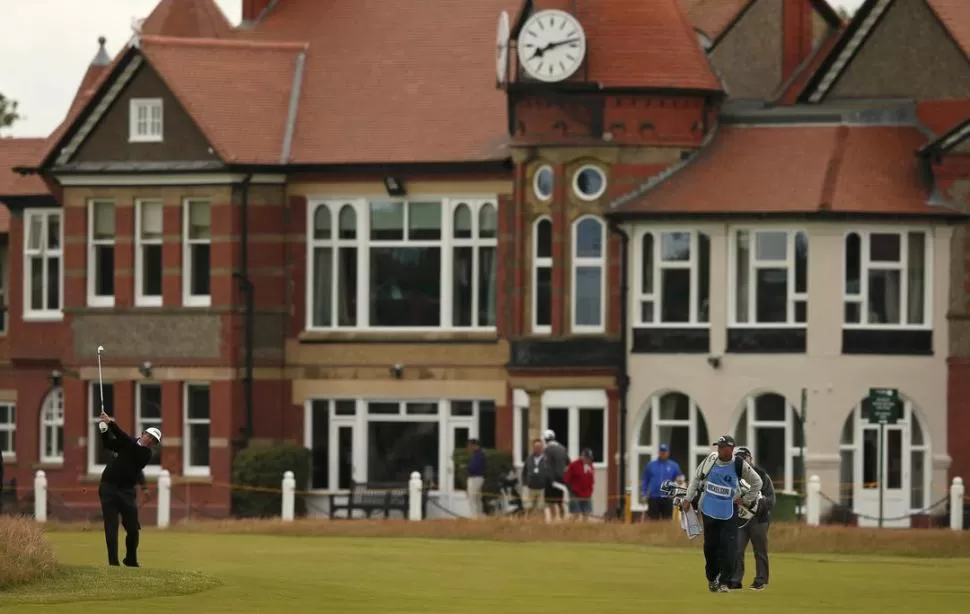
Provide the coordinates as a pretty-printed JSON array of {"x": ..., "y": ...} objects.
[
  {"x": 796, "y": 35},
  {"x": 252, "y": 9}
]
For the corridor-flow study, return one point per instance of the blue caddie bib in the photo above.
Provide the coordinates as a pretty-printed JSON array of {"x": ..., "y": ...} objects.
[{"x": 719, "y": 492}]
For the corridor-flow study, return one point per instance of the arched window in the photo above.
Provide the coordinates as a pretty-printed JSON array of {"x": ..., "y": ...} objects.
[
  {"x": 542, "y": 275},
  {"x": 772, "y": 429},
  {"x": 906, "y": 470},
  {"x": 333, "y": 266},
  {"x": 671, "y": 418},
  {"x": 52, "y": 427},
  {"x": 588, "y": 303}
]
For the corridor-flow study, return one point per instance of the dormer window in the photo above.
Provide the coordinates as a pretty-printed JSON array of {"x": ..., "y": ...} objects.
[{"x": 146, "y": 120}]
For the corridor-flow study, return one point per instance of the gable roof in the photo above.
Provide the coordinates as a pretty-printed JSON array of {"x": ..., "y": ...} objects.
[
  {"x": 713, "y": 17},
  {"x": 808, "y": 169},
  {"x": 187, "y": 18},
  {"x": 953, "y": 15}
]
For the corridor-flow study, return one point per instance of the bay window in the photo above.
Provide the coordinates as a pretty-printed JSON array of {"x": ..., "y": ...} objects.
[
  {"x": 101, "y": 253},
  {"x": 402, "y": 264},
  {"x": 770, "y": 275},
  {"x": 148, "y": 253},
  {"x": 886, "y": 280},
  {"x": 672, "y": 279},
  {"x": 43, "y": 266},
  {"x": 542, "y": 276},
  {"x": 588, "y": 305}
]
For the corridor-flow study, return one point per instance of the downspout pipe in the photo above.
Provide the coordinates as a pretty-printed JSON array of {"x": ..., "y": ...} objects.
[
  {"x": 623, "y": 368},
  {"x": 246, "y": 288}
]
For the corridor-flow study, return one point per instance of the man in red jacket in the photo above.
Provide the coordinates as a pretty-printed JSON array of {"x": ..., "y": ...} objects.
[{"x": 579, "y": 478}]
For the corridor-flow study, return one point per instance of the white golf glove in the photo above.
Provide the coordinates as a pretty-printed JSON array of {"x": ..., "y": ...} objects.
[{"x": 103, "y": 427}]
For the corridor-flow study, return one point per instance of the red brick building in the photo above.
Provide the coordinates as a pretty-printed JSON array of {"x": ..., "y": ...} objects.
[{"x": 433, "y": 258}]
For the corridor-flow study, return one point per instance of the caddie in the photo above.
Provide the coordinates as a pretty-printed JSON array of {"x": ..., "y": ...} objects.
[{"x": 717, "y": 482}]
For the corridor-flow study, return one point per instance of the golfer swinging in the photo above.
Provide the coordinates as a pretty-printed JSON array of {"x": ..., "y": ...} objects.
[
  {"x": 117, "y": 490},
  {"x": 718, "y": 481}
]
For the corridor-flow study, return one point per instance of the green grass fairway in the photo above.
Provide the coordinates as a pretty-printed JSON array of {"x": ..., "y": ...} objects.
[{"x": 218, "y": 573}]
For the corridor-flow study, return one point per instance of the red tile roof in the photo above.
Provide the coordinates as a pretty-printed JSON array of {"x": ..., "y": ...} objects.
[
  {"x": 187, "y": 18},
  {"x": 18, "y": 152},
  {"x": 767, "y": 169},
  {"x": 712, "y": 17},
  {"x": 955, "y": 16},
  {"x": 792, "y": 89},
  {"x": 238, "y": 92}
]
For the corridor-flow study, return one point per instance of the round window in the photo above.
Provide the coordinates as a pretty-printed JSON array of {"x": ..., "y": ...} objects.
[
  {"x": 542, "y": 183},
  {"x": 589, "y": 182}
]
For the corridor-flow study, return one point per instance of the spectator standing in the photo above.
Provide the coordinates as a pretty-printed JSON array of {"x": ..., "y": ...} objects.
[
  {"x": 476, "y": 478},
  {"x": 659, "y": 470},
  {"x": 580, "y": 477},
  {"x": 535, "y": 477},
  {"x": 556, "y": 462}
]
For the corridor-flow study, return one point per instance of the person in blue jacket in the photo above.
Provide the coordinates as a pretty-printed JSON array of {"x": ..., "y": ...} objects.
[{"x": 659, "y": 505}]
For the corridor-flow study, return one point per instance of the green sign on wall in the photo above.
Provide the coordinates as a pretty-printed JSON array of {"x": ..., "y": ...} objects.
[{"x": 885, "y": 406}]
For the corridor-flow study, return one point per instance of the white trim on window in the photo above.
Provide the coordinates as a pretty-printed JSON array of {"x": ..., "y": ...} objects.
[
  {"x": 796, "y": 299},
  {"x": 48, "y": 249},
  {"x": 146, "y": 120},
  {"x": 540, "y": 263},
  {"x": 699, "y": 303},
  {"x": 189, "y": 299},
  {"x": 143, "y": 243},
  {"x": 588, "y": 262},
  {"x": 536, "y": 190},
  {"x": 574, "y": 401},
  {"x": 142, "y": 423},
  {"x": 790, "y": 426},
  {"x": 579, "y": 193},
  {"x": 859, "y": 296},
  {"x": 94, "y": 246},
  {"x": 9, "y": 426},
  {"x": 520, "y": 436},
  {"x": 483, "y": 243},
  {"x": 188, "y": 468},
  {"x": 52, "y": 427}
]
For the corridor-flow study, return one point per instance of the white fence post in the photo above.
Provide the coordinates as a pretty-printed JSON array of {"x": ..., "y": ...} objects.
[
  {"x": 415, "y": 498},
  {"x": 40, "y": 496},
  {"x": 289, "y": 496},
  {"x": 813, "y": 511},
  {"x": 164, "y": 499},
  {"x": 957, "y": 492}
]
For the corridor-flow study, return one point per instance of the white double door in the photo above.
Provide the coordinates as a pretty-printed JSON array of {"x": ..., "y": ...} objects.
[
  {"x": 895, "y": 475},
  {"x": 457, "y": 433}
]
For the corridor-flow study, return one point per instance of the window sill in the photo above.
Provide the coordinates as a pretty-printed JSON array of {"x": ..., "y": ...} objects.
[
  {"x": 9, "y": 458},
  {"x": 379, "y": 336},
  {"x": 42, "y": 317},
  {"x": 100, "y": 303},
  {"x": 49, "y": 464},
  {"x": 146, "y": 139}
]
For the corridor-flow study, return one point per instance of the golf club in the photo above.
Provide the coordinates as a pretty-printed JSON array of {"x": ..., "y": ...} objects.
[{"x": 100, "y": 378}]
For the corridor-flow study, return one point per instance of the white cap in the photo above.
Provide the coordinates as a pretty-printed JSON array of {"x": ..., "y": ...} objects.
[
  {"x": 549, "y": 435},
  {"x": 154, "y": 432}
]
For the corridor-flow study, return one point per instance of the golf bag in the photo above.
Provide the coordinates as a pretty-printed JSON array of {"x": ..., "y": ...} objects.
[
  {"x": 510, "y": 501},
  {"x": 675, "y": 491}
]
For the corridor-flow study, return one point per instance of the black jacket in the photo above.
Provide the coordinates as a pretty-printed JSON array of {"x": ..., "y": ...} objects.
[
  {"x": 125, "y": 469},
  {"x": 768, "y": 494}
]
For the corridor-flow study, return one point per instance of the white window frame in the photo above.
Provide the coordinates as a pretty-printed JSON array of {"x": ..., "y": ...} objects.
[
  {"x": 364, "y": 243},
  {"x": 520, "y": 437},
  {"x": 94, "y": 435},
  {"x": 754, "y": 264},
  {"x": 189, "y": 299},
  {"x": 154, "y": 120},
  {"x": 579, "y": 194},
  {"x": 54, "y": 401},
  {"x": 11, "y": 428},
  {"x": 97, "y": 300},
  {"x": 789, "y": 424},
  {"x": 697, "y": 453},
  {"x": 539, "y": 263},
  {"x": 656, "y": 296},
  {"x": 141, "y": 300},
  {"x": 535, "y": 183},
  {"x": 45, "y": 254},
  {"x": 588, "y": 262},
  {"x": 188, "y": 469},
  {"x": 865, "y": 265},
  {"x": 573, "y": 401},
  {"x": 141, "y": 424}
]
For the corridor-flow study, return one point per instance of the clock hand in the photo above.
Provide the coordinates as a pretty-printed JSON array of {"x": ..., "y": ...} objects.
[{"x": 559, "y": 44}]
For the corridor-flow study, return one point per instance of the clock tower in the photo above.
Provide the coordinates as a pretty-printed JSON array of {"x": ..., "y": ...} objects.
[{"x": 601, "y": 94}]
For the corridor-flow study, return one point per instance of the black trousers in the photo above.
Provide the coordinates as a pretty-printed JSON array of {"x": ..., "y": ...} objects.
[
  {"x": 757, "y": 533},
  {"x": 660, "y": 508},
  {"x": 720, "y": 548},
  {"x": 117, "y": 502}
]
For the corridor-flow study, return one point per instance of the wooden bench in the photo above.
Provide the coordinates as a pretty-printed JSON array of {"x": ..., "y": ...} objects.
[{"x": 370, "y": 497}]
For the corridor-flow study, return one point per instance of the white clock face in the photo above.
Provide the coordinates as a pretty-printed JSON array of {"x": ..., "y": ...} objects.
[{"x": 551, "y": 45}]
